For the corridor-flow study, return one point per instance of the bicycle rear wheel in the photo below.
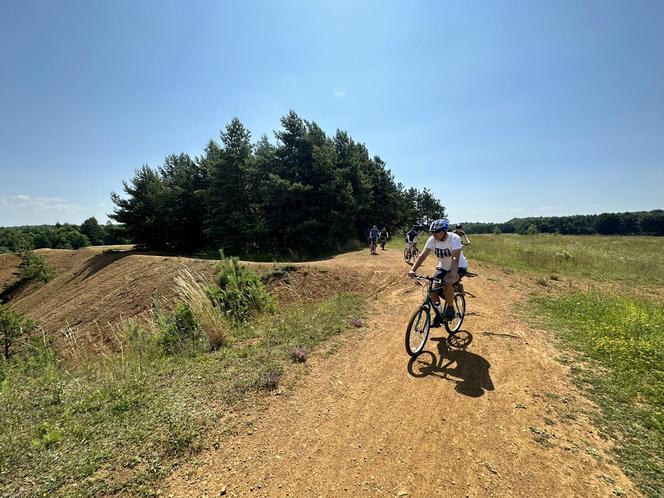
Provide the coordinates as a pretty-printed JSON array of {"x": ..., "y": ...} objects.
[
  {"x": 454, "y": 324},
  {"x": 417, "y": 332}
]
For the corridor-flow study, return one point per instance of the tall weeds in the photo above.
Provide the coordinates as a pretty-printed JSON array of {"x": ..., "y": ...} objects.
[{"x": 195, "y": 295}]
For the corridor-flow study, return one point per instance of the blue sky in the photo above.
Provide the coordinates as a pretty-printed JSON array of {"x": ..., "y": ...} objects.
[{"x": 501, "y": 108}]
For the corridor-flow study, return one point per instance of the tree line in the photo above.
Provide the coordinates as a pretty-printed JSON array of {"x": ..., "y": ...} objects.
[
  {"x": 630, "y": 223},
  {"x": 304, "y": 195},
  {"x": 60, "y": 236}
]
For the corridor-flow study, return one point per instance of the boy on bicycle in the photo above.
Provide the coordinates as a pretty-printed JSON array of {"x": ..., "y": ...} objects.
[
  {"x": 451, "y": 267},
  {"x": 459, "y": 231},
  {"x": 384, "y": 235},
  {"x": 373, "y": 237},
  {"x": 411, "y": 238}
]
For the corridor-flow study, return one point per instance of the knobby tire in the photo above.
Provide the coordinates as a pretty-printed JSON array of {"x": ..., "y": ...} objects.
[
  {"x": 417, "y": 331},
  {"x": 453, "y": 326}
]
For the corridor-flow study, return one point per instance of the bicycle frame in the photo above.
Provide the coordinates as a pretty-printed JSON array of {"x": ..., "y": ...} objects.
[
  {"x": 418, "y": 330},
  {"x": 428, "y": 302}
]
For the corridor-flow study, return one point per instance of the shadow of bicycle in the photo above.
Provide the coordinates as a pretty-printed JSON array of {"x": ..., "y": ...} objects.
[{"x": 469, "y": 371}]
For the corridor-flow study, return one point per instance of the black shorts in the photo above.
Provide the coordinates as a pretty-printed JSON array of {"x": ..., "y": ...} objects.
[{"x": 440, "y": 273}]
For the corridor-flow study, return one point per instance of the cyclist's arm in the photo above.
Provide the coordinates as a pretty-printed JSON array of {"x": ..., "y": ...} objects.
[
  {"x": 453, "y": 274},
  {"x": 423, "y": 255}
]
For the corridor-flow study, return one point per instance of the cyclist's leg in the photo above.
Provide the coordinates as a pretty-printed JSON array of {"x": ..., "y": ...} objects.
[
  {"x": 449, "y": 294},
  {"x": 458, "y": 286},
  {"x": 436, "y": 292}
]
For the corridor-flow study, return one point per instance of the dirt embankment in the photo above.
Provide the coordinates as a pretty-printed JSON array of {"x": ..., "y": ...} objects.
[{"x": 94, "y": 288}]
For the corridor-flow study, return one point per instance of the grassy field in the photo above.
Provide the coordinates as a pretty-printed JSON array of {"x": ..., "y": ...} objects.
[
  {"x": 619, "y": 338},
  {"x": 139, "y": 412},
  {"x": 621, "y": 341},
  {"x": 635, "y": 260}
]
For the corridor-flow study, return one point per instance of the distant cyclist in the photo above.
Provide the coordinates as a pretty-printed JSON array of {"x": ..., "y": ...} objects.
[
  {"x": 411, "y": 238},
  {"x": 451, "y": 265},
  {"x": 459, "y": 231},
  {"x": 373, "y": 238},
  {"x": 383, "y": 236}
]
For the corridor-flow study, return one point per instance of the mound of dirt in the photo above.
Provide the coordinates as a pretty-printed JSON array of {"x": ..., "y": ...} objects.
[{"x": 95, "y": 288}]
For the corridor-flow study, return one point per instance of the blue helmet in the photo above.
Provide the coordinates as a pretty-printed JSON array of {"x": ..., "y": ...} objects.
[{"x": 439, "y": 225}]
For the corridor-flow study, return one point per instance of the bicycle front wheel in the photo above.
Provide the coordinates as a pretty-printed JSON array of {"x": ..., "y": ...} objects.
[
  {"x": 407, "y": 256},
  {"x": 454, "y": 324},
  {"x": 417, "y": 332}
]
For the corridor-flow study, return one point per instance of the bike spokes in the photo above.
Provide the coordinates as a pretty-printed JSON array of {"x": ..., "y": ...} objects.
[
  {"x": 453, "y": 325},
  {"x": 418, "y": 331}
]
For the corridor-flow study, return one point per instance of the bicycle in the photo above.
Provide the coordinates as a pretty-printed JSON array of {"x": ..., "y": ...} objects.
[
  {"x": 419, "y": 324},
  {"x": 410, "y": 254},
  {"x": 372, "y": 246}
]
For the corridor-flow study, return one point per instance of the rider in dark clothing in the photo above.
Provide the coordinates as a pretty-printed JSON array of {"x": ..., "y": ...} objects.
[{"x": 383, "y": 237}]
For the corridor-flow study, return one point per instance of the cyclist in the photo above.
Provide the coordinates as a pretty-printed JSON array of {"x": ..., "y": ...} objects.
[
  {"x": 459, "y": 231},
  {"x": 411, "y": 238},
  {"x": 383, "y": 237},
  {"x": 373, "y": 237},
  {"x": 451, "y": 265},
  {"x": 411, "y": 242}
]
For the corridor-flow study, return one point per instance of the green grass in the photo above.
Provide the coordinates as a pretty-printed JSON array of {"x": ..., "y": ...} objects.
[
  {"x": 622, "y": 340},
  {"x": 119, "y": 423},
  {"x": 605, "y": 258}
]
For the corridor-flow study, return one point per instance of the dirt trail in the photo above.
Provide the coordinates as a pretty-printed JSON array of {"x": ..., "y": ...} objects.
[{"x": 497, "y": 419}]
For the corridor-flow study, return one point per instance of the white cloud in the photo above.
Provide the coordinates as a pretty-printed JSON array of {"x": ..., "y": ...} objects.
[
  {"x": 24, "y": 209},
  {"x": 549, "y": 208},
  {"x": 339, "y": 93}
]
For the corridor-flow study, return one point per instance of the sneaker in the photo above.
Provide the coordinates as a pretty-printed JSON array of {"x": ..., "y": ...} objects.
[
  {"x": 436, "y": 320},
  {"x": 450, "y": 314}
]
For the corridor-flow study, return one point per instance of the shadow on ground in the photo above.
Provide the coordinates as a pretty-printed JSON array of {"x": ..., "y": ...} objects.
[{"x": 453, "y": 362}]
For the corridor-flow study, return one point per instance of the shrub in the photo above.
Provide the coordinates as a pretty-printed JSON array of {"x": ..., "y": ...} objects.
[
  {"x": 179, "y": 331},
  {"x": 203, "y": 308},
  {"x": 12, "y": 325},
  {"x": 241, "y": 293},
  {"x": 33, "y": 267}
]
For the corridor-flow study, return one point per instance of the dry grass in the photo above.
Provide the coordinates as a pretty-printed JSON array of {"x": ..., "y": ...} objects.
[{"x": 193, "y": 293}]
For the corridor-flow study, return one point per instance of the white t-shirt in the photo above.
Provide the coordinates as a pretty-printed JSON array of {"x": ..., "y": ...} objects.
[{"x": 443, "y": 250}]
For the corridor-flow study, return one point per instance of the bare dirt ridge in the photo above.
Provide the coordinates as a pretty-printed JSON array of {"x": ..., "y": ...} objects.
[
  {"x": 95, "y": 288},
  {"x": 500, "y": 418}
]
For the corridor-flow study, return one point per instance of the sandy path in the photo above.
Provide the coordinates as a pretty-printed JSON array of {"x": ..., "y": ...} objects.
[{"x": 497, "y": 419}]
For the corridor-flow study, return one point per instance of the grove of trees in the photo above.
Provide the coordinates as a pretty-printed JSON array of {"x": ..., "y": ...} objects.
[
  {"x": 304, "y": 195},
  {"x": 631, "y": 223},
  {"x": 59, "y": 236}
]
